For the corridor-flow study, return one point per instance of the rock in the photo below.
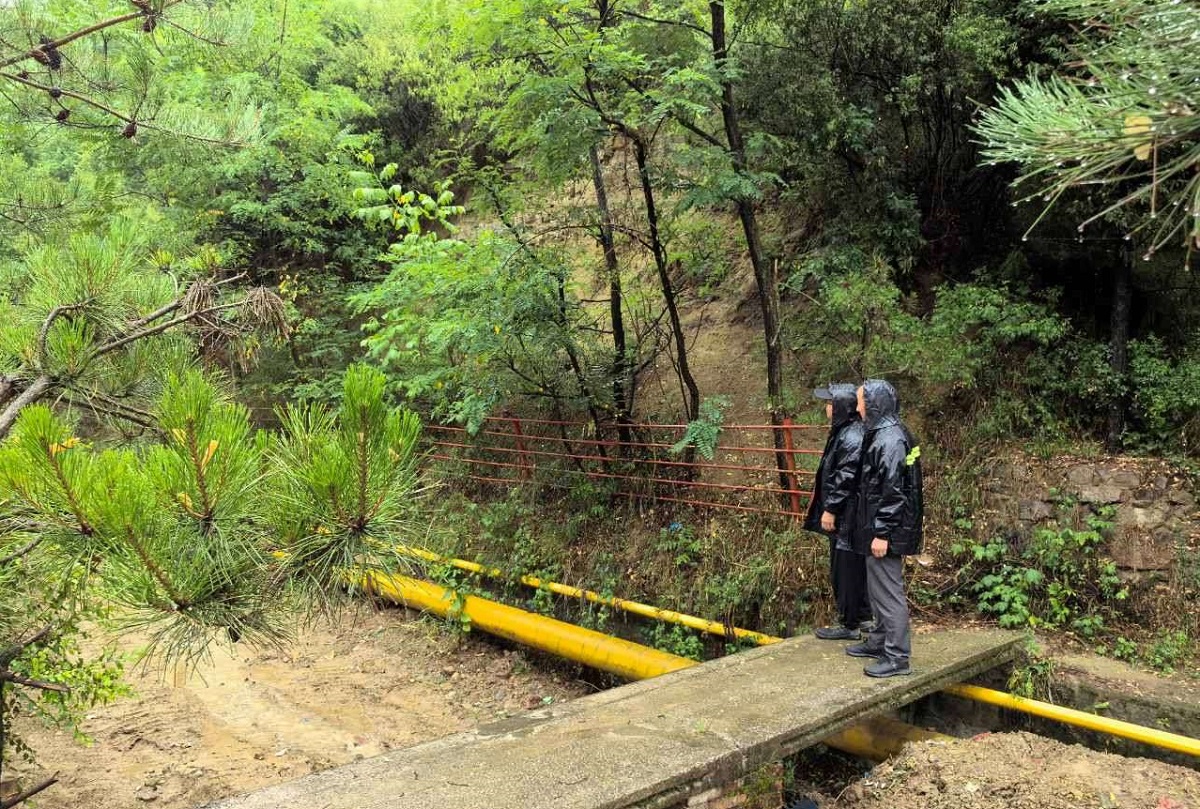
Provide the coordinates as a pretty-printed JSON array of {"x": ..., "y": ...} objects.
[
  {"x": 1123, "y": 478},
  {"x": 1034, "y": 511},
  {"x": 1013, "y": 471},
  {"x": 1084, "y": 475},
  {"x": 501, "y": 669},
  {"x": 1143, "y": 519},
  {"x": 147, "y": 794},
  {"x": 1100, "y": 495},
  {"x": 1181, "y": 498}
]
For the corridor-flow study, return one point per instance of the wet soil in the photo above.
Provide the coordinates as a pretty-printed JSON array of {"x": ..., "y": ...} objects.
[{"x": 245, "y": 719}]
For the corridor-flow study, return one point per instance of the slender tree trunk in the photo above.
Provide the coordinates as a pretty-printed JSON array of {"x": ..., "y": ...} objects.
[
  {"x": 692, "y": 402},
  {"x": 1119, "y": 346},
  {"x": 764, "y": 276},
  {"x": 36, "y": 390},
  {"x": 620, "y": 366}
]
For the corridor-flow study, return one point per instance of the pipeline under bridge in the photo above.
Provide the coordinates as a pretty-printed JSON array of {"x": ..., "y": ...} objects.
[{"x": 651, "y": 744}]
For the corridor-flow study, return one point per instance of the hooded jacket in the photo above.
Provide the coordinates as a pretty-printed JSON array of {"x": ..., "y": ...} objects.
[
  {"x": 889, "y": 502},
  {"x": 837, "y": 474}
]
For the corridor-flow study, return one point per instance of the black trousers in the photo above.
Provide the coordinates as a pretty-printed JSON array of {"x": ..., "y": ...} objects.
[{"x": 848, "y": 574}]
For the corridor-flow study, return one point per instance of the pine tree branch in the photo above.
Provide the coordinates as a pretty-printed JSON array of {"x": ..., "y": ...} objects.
[
  {"x": 9, "y": 803},
  {"x": 116, "y": 411},
  {"x": 91, "y": 102},
  {"x": 43, "y": 49},
  {"x": 155, "y": 570},
  {"x": 35, "y": 391},
  {"x": 141, "y": 334},
  {"x": 44, "y": 333},
  {"x": 22, "y": 551},
  {"x": 83, "y": 525},
  {"x": 175, "y": 304}
]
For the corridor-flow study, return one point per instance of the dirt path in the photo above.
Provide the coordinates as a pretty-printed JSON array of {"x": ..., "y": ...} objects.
[
  {"x": 1020, "y": 771},
  {"x": 376, "y": 682}
]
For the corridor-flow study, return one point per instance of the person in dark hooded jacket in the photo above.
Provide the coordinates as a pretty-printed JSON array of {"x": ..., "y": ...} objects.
[
  {"x": 888, "y": 525},
  {"x": 831, "y": 511}
]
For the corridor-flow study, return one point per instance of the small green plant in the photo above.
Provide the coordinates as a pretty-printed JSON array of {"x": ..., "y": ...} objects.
[
  {"x": 1124, "y": 649},
  {"x": 677, "y": 640},
  {"x": 1169, "y": 650},
  {"x": 681, "y": 543},
  {"x": 1056, "y": 579},
  {"x": 704, "y": 432},
  {"x": 1031, "y": 677}
]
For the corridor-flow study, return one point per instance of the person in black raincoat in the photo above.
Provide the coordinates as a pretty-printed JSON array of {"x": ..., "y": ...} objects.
[
  {"x": 831, "y": 511},
  {"x": 888, "y": 525}
]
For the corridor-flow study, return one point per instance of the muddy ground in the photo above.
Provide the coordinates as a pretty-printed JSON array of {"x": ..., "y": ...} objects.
[
  {"x": 384, "y": 680},
  {"x": 1018, "y": 771},
  {"x": 376, "y": 681}
]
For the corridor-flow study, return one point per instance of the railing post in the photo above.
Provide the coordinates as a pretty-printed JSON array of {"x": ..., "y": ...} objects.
[
  {"x": 526, "y": 472},
  {"x": 789, "y": 448}
]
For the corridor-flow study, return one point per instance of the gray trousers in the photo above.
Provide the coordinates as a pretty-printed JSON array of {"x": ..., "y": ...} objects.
[{"x": 885, "y": 588}]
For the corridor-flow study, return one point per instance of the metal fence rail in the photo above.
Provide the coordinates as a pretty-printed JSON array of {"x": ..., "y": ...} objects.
[{"x": 743, "y": 473}]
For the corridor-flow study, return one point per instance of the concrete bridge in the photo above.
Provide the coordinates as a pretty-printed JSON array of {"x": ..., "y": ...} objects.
[{"x": 688, "y": 738}]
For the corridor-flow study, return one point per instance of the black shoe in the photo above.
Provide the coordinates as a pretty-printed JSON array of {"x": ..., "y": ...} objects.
[
  {"x": 836, "y": 633},
  {"x": 888, "y": 668},
  {"x": 863, "y": 650}
]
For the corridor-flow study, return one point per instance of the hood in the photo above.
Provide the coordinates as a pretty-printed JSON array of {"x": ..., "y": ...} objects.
[
  {"x": 883, "y": 404},
  {"x": 845, "y": 405}
]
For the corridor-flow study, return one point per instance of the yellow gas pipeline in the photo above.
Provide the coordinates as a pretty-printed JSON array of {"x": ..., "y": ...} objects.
[
  {"x": 1103, "y": 724},
  {"x": 634, "y": 607},
  {"x": 875, "y": 739},
  {"x": 862, "y": 741},
  {"x": 621, "y": 657}
]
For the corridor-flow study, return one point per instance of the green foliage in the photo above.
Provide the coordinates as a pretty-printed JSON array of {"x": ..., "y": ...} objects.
[
  {"x": 1122, "y": 116},
  {"x": 675, "y": 639},
  {"x": 1031, "y": 676},
  {"x": 704, "y": 433},
  {"x": 348, "y": 486},
  {"x": 181, "y": 534},
  {"x": 1058, "y": 579}
]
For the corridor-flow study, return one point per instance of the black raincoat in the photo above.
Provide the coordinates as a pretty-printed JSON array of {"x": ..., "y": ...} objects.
[
  {"x": 833, "y": 489},
  {"x": 889, "y": 504}
]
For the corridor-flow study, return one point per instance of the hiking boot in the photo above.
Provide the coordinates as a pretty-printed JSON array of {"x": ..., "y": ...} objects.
[
  {"x": 836, "y": 633},
  {"x": 863, "y": 650},
  {"x": 888, "y": 668}
]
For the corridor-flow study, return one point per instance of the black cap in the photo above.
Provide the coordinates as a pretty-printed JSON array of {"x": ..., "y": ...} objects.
[{"x": 824, "y": 393}]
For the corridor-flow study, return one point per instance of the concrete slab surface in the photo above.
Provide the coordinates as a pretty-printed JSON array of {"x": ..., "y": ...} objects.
[{"x": 647, "y": 744}]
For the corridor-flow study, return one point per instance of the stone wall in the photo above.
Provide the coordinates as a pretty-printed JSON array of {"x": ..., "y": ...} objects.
[{"x": 1154, "y": 505}]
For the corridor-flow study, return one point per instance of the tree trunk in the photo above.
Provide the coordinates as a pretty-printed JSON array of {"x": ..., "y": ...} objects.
[
  {"x": 764, "y": 276},
  {"x": 1119, "y": 347},
  {"x": 36, "y": 390},
  {"x": 621, "y": 382},
  {"x": 692, "y": 400}
]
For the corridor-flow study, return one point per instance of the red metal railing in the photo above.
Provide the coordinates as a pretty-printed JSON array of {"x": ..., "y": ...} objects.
[{"x": 743, "y": 474}]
